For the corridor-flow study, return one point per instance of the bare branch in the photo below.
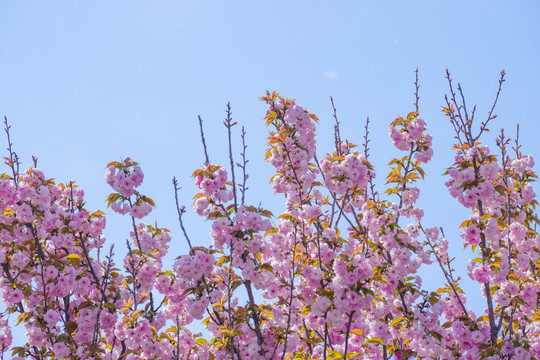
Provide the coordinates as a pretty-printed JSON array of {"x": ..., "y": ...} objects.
[
  {"x": 207, "y": 159},
  {"x": 13, "y": 160},
  {"x": 462, "y": 124},
  {"x": 243, "y": 165},
  {"x": 518, "y": 145},
  {"x": 229, "y": 124},
  {"x": 483, "y": 126},
  {"x": 416, "y": 88},
  {"x": 337, "y": 135},
  {"x": 181, "y": 211}
]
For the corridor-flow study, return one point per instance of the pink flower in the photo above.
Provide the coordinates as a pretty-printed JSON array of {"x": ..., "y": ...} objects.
[
  {"x": 122, "y": 209},
  {"x": 489, "y": 171},
  {"x": 60, "y": 350},
  {"x": 399, "y": 139},
  {"x": 471, "y": 235},
  {"x": 527, "y": 195},
  {"x": 424, "y": 156},
  {"x": 432, "y": 233},
  {"x": 409, "y": 196},
  {"x": 507, "y": 348},
  {"x": 17, "y": 296},
  {"x": 481, "y": 273},
  {"x": 196, "y": 308},
  {"x": 52, "y": 317},
  {"x": 417, "y": 214},
  {"x": 521, "y": 354},
  {"x": 200, "y": 205},
  {"x": 140, "y": 211}
]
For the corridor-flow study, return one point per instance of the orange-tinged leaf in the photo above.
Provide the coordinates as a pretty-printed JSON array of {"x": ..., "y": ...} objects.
[
  {"x": 465, "y": 223},
  {"x": 411, "y": 114}
]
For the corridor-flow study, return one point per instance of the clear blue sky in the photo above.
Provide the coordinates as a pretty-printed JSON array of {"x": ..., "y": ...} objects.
[{"x": 86, "y": 83}]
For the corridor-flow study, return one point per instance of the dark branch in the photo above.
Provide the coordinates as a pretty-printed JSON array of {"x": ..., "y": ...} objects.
[{"x": 207, "y": 159}]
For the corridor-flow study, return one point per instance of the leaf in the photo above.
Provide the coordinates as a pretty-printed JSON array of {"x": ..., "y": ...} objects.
[
  {"x": 465, "y": 223},
  {"x": 407, "y": 353},
  {"x": 267, "y": 267},
  {"x": 222, "y": 260},
  {"x": 197, "y": 172},
  {"x": 114, "y": 163},
  {"x": 73, "y": 256},
  {"x": 84, "y": 305},
  {"x": 397, "y": 320},
  {"x": 412, "y": 176},
  {"x": 24, "y": 317},
  {"x": 286, "y": 216},
  {"x": 375, "y": 340},
  {"x": 436, "y": 335},
  {"x": 110, "y": 305},
  {"x": 201, "y": 341},
  {"x": 112, "y": 198},
  {"x": 71, "y": 326},
  {"x": 334, "y": 354},
  {"x": 412, "y": 114},
  {"x": 266, "y": 213},
  {"x": 18, "y": 351},
  {"x": 482, "y": 319}
]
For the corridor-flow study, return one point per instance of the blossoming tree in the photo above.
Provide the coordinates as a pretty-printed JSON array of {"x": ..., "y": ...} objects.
[{"x": 334, "y": 277}]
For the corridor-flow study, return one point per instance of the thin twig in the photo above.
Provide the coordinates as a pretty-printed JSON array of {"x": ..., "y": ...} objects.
[
  {"x": 483, "y": 126},
  {"x": 229, "y": 124},
  {"x": 464, "y": 105},
  {"x": 337, "y": 135},
  {"x": 13, "y": 161},
  {"x": 416, "y": 88},
  {"x": 518, "y": 145},
  {"x": 181, "y": 211},
  {"x": 366, "y": 154},
  {"x": 243, "y": 165},
  {"x": 463, "y": 123},
  {"x": 207, "y": 159}
]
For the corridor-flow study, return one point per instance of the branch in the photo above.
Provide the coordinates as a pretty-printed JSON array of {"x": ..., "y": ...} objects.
[
  {"x": 243, "y": 166},
  {"x": 337, "y": 135},
  {"x": 416, "y": 87},
  {"x": 229, "y": 124},
  {"x": 255, "y": 316},
  {"x": 181, "y": 211},
  {"x": 463, "y": 126},
  {"x": 204, "y": 142},
  {"x": 483, "y": 126},
  {"x": 347, "y": 333},
  {"x": 13, "y": 161}
]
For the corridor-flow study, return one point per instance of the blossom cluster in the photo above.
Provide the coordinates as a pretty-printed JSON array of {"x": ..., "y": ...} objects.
[
  {"x": 408, "y": 134},
  {"x": 336, "y": 275}
]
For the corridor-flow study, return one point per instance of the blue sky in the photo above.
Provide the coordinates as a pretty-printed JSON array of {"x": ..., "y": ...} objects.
[{"x": 86, "y": 83}]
